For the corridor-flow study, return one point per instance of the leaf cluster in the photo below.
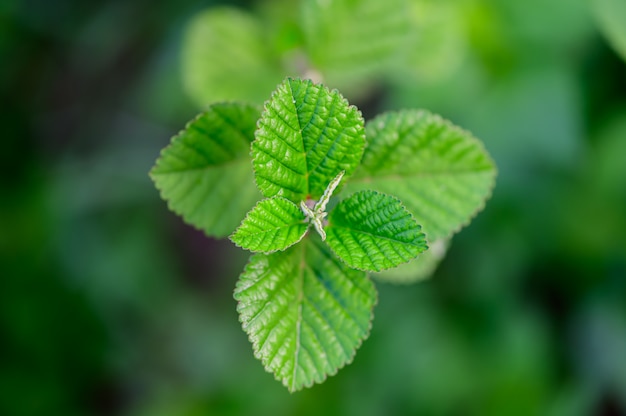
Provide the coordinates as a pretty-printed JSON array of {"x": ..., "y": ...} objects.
[
  {"x": 346, "y": 43},
  {"x": 329, "y": 199}
]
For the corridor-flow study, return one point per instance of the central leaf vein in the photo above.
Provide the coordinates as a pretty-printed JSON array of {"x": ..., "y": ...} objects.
[
  {"x": 300, "y": 132},
  {"x": 299, "y": 301}
]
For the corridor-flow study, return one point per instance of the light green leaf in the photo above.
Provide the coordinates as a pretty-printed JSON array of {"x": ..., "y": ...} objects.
[
  {"x": 438, "y": 41},
  {"x": 305, "y": 312},
  {"x": 418, "y": 269},
  {"x": 205, "y": 173},
  {"x": 273, "y": 224},
  {"x": 373, "y": 231},
  {"x": 225, "y": 56},
  {"x": 440, "y": 172},
  {"x": 611, "y": 16},
  {"x": 307, "y": 135},
  {"x": 350, "y": 42}
]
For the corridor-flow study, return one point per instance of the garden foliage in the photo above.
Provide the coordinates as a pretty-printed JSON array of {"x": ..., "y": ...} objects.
[{"x": 328, "y": 199}]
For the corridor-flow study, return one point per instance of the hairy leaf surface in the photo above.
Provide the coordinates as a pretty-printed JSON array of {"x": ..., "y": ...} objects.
[
  {"x": 307, "y": 135},
  {"x": 373, "y": 231},
  {"x": 305, "y": 312},
  {"x": 205, "y": 173},
  {"x": 440, "y": 172},
  {"x": 273, "y": 224}
]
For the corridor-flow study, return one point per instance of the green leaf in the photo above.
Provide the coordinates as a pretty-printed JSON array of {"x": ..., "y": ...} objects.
[
  {"x": 273, "y": 224},
  {"x": 350, "y": 42},
  {"x": 438, "y": 42},
  {"x": 205, "y": 173},
  {"x": 372, "y": 231},
  {"x": 440, "y": 172},
  {"x": 611, "y": 16},
  {"x": 307, "y": 135},
  {"x": 305, "y": 312},
  {"x": 225, "y": 56},
  {"x": 418, "y": 269}
]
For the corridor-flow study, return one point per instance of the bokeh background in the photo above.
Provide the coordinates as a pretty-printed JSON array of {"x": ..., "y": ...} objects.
[{"x": 111, "y": 305}]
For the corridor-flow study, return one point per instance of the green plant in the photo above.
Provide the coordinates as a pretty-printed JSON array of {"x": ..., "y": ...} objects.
[
  {"x": 305, "y": 298},
  {"x": 352, "y": 45}
]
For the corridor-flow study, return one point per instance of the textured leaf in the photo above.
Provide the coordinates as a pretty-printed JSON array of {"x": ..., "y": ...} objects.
[
  {"x": 225, "y": 57},
  {"x": 205, "y": 173},
  {"x": 307, "y": 135},
  {"x": 440, "y": 172},
  {"x": 273, "y": 224},
  {"x": 305, "y": 312},
  {"x": 350, "y": 42},
  {"x": 611, "y": 16},
  {"x": 373, "y": 231},
  {"x": 418, "y": 269}
]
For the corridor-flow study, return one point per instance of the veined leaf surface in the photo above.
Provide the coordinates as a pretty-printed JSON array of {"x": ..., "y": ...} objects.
[
  {"x": 373, "y": 231},
  {"x": 305, "y": 311},
  {"x": 307, "y": 135},
  {"x": 273, "y": 224},
  {"x": 205, "y": 173},
  {"x": 441, "y": 173}
]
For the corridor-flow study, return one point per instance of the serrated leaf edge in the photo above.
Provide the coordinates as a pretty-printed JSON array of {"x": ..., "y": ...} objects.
[
  {"x": 152, "y": 175},
  {"x": 441, "y": 246},
  {"x": 310, "y": 81},
  {"x": 188, "y": 124},
  {"x": 271, "y": 251},
  {"x": 481, "y": 145},
  {"x": 411, "y": 216},
  {"x": 255, "y": 347}
]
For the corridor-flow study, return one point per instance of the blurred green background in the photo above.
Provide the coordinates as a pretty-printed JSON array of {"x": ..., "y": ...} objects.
[{"x": 110, "y": 305}]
